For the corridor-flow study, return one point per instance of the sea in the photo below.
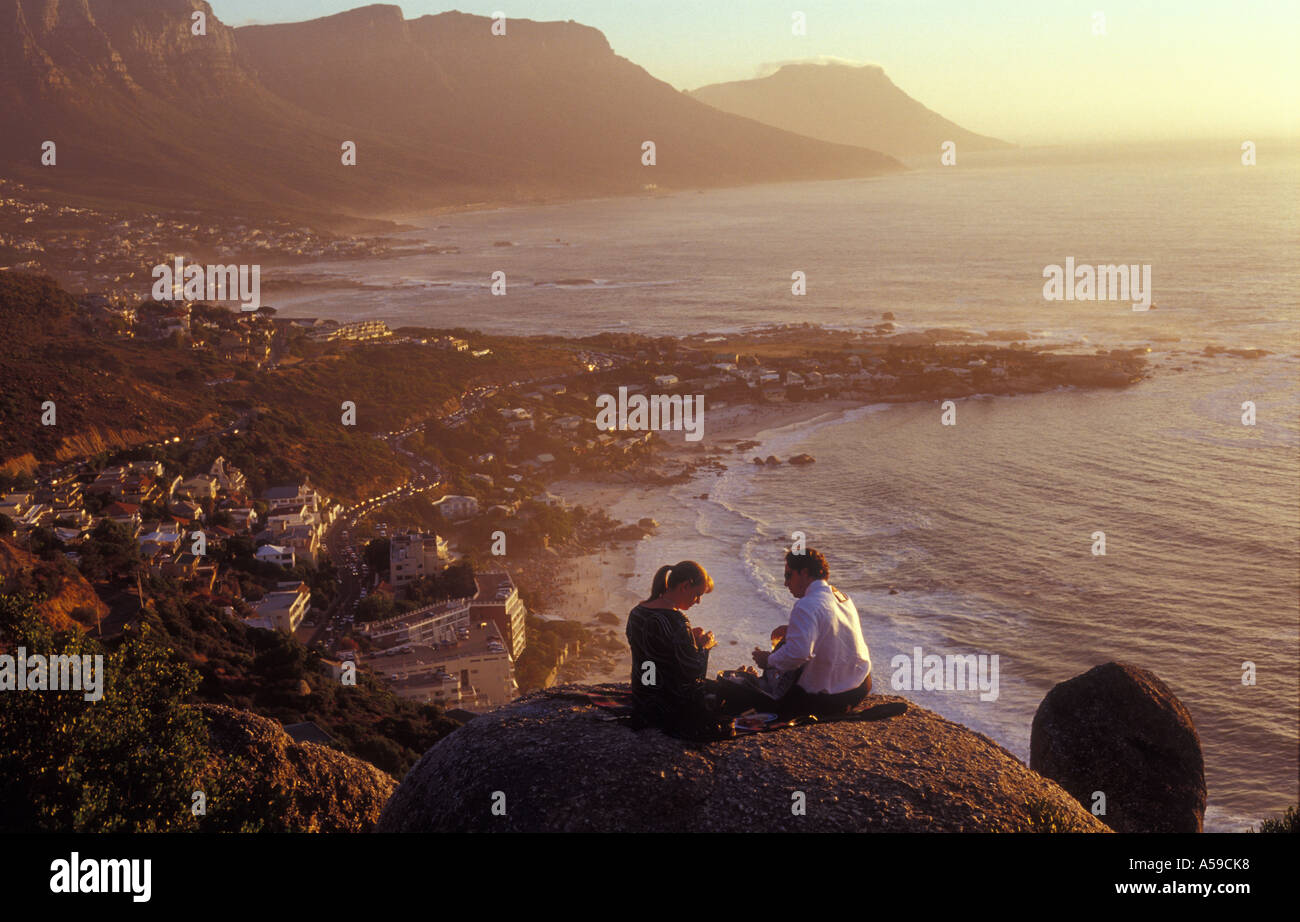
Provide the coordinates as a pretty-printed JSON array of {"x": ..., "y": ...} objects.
[{"x": 979, "y": 537}]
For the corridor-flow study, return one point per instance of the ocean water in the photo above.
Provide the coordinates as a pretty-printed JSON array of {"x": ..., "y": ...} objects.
[
  {"x": 983, "y": 529},
  {"x": 984, "y": 532}
]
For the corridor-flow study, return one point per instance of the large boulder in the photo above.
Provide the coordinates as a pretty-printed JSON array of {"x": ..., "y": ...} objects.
[
  {"x": 272, "y": 784},
  {"x": 1118, "y": 729},
  {"x": 556, "y": 764}
]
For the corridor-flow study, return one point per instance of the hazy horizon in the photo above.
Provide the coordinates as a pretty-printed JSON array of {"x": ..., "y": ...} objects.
[{"x": 1043, "y": 77}]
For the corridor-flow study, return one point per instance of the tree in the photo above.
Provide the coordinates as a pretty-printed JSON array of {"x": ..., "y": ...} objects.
[
  {"x": 376, "y": 554},
  {"x": 110, "y": 552},
  {"x": 127, "y": 762}
]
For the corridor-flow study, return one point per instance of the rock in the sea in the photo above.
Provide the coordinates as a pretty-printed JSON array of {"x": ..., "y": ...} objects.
[
  {"x": 757, "y": 459},
  {"x": 647, "y": 524},
  {"x": 278, "y": 785},
  {"x": 556, "y": 764},
  {"x": 887, "y": 315},
  {"x": 804, "y": 458},
  {"x": 1119, "y": 730},
  {"x": 772, "y": 459}
]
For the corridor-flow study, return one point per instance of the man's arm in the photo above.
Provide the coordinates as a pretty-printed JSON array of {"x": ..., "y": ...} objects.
[{"x": 799, "y": 639}]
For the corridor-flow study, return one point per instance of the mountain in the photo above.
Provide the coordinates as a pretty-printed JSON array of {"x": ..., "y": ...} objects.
[
  {"x": 844, "y": 104},
  {"x": 441, "y": 110}
]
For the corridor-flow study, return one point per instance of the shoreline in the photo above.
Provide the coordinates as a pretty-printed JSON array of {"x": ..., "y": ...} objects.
[{"x": 605, "y": 579}]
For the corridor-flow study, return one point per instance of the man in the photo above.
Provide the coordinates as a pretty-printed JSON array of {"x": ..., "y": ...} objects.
[{"x": 824, "y": 638}]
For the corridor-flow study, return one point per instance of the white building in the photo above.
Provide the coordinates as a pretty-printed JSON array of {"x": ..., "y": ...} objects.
[
  {"x": 293, "y": 496},
  {"x": 473, "y": 671},
  {"x": 415, "y": 555},
  {"x": 457, "y": 507},
  {"x": 433, "y": 624},
  {"x": 276, "y": 554},
  {"x": 282, "y": 610},
  {"x": 498, "y": 601}
]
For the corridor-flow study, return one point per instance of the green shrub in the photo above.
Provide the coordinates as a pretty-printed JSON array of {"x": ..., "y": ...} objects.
[
  {"x": 128, "y": 762},
  {"x": 1287, "y": 822}
]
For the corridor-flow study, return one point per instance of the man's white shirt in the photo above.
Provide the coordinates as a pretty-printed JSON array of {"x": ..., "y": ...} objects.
[{"x": 825, "y": 634}]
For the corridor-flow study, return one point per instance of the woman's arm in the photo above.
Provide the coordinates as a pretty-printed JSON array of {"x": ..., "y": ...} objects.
[{"x": 677, "y": 656}]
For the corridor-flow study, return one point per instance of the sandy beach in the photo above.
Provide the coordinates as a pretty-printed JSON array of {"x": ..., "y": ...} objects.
[
  {"x": 594, "y": 583},
  {"x": 610, "y": 580}
]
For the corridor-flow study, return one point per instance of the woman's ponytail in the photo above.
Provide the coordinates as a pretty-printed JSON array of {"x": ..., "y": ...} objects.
[
  {"x": 687, "y": 571},
  {"x": 660, "y": 584}
]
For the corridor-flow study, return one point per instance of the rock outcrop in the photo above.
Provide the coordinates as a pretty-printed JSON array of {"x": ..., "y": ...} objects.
[
  {"x": 277, "y": 785},
  {"x": 556, "y": 764},
  {"x": 1119, "y": 730}
]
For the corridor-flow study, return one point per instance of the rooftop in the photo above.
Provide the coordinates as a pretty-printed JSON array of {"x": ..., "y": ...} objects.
[
  {"x": 493, "y": 587},
  {"x": 484, "y": 639}
]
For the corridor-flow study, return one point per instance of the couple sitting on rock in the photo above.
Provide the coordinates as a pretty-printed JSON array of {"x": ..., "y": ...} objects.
[{"x": 819, "y": 663}]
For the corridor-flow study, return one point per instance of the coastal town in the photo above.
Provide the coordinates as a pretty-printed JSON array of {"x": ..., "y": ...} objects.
[
  {"x": 401, "y": 579},
  {"x": 37, "y": 235}
]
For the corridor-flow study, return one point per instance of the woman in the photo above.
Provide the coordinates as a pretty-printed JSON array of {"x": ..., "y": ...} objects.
[{"x": 669, "y": 657}]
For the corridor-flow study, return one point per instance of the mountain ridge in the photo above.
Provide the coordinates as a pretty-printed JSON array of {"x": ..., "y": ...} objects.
[
  {"x": 844, "y": 104},
  {"x": 443, "y": 113}
]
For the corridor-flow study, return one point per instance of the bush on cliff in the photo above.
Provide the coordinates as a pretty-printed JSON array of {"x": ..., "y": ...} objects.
[
  {"x": 128, "y": 762},
  {"x": 134, "y": 760},
  {"x": 1287, "y": 822}
]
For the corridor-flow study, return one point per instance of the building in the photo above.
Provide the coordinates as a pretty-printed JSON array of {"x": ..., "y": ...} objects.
[
  {"x": 187, "y": 510},
  {"x": 415, "y": 555},
  {"x": 276, "y": 554},
  {"x": 356, "y": 332},
  {"x": 125, "y": 514},
  {"x": 15, "y": 505},
  {"x": 457, "y": 507},
  {"x": 243, "y": 518},
  {"x": 473, "y": 671},
  {"x": 440, "y": 623},
  {"x": 282, "y": 610},
  {"x": 498, "y": 601},
  {"x": 305, "y": 541},
  {"x": 292, "y": 497},
  {"x": 198, "y": 487},
  {"x": 285, "y": 518},
  {"x": 167, "y": 538},
  {"x": 228, "y": 477}
]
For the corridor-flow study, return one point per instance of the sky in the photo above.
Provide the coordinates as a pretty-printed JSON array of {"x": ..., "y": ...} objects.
[{"x": 1028, "y": 71}]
